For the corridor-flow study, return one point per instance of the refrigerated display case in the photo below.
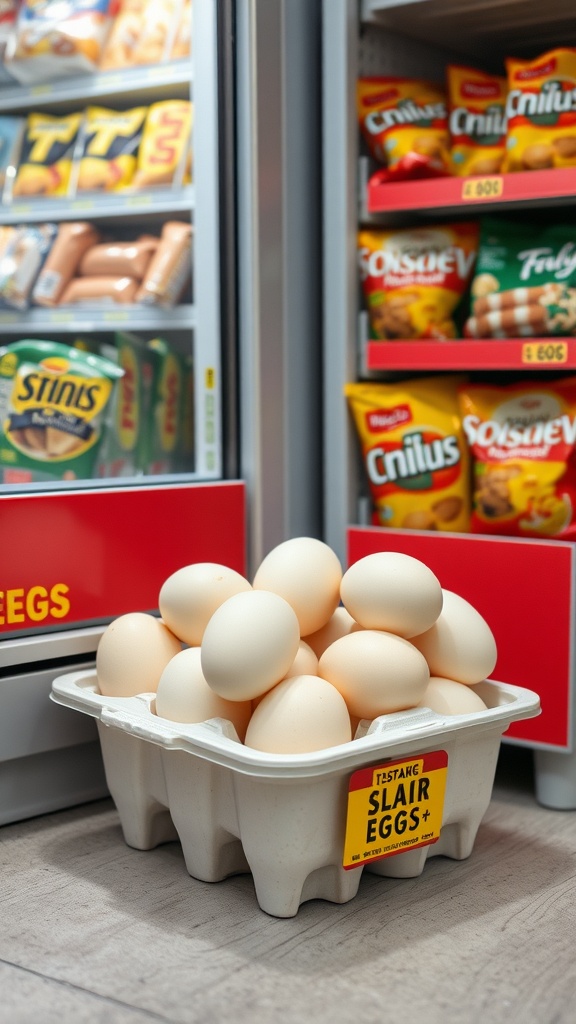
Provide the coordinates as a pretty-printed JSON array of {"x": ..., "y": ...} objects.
[
  {"x": 523, "y": 587},
  {"x": 77, "y": 553}
]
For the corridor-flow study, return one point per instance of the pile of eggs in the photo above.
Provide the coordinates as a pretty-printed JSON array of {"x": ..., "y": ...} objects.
[{"x": 297, "y": 658}]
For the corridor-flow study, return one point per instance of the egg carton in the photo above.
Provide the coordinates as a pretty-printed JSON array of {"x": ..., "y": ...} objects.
[{"x": 286, "y": 818}]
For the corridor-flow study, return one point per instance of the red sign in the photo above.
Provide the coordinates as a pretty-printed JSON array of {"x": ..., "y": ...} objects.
[
  {"x": 88, "y": 556},
  {"x": 525, "y": 591}
]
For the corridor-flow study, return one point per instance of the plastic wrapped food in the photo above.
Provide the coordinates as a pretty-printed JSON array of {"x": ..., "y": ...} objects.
[{"x": 57, "y": 38}]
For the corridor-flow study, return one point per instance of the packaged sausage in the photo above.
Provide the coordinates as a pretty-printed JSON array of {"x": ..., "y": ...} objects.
[
  {"x": 165, "y": 144},
  {"x": 119, "y": 259},
  {"x": 46, "y": 155},
  {"x": 522, "y": 439},
  {"x": 22, "y": 259},
  {"x": 100, "y": 291},
  {"x": 169, "y": 268},
  {"x": 476, "y": 121},
  {"x": 52, "y": 407},
  {"x": 109, "y": 148},
  {"x": 404, "y": 122},
  {"x": 143, "y": 33},
  {"x": 57, "y": 38},
  {"x": 525, "y": 280},
  {"x": 414, "y": 452},
  {"x": 414, "y": 278},
  {"x": 541, "y": 111},
  {"x": 72, "y": 241}
]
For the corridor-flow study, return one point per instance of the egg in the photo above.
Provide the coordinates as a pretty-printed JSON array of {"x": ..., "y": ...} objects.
[
  {"x": 249, "y": 644},
  {"x": 339, "y": 624},
  {"x": 132, "y": 654},
  {"x": 183, "y": 695},
  {"x": 301, "y": 714},
  {"x": 191, "y": 595},
  {"x": 460, "y": 645},
  {"x": 305, "y": 663},
  {"x": 393, "y": 592},
  {"x": 447, "y": 697},
  {"x": 376, "y": 672},
  {"x": 307, "y": 574}
]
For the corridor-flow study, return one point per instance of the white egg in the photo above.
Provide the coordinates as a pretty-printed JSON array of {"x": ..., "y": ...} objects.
[
  {"x": 447, "y": 697},
  {"x": 183, "y": 695},
  {"x": 391, "y": 591},
  {"x": 307, "y": 574},
  {"x": 249, "y": 644},
  {"x": 376, "y": 672},
  {"x": 132, "y": 653},
  {"x": 460, "y": 645},
  {"x": 191, "y": 595},
  {"x": 301, "y": 714},
  {"x": 339, "y": 624},
  {"x": 305, "y": 663}
]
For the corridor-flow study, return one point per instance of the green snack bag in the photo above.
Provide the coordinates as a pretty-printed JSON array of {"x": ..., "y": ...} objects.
[
  {"x": 123, "y": 452},
  {"x": 525, "y": 281},
  {"x": 53, "y": 400},
  {"x": 164, "y": 412}
]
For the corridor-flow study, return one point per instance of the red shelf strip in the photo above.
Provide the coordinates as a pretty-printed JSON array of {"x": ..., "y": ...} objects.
[{"x": 545, "y": 353}]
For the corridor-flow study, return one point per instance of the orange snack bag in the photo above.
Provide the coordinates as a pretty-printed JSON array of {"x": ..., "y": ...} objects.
[
  {"x": 522, "y": 438},
  {"x": 541, "y": 112},
  {"x": 165, "y": 141},
  {"x": 477, "y": 120},
  {"x": 405, "y": 124},
  {"x": 414, "y": 452},
  {"x": 414, "y": 278}
]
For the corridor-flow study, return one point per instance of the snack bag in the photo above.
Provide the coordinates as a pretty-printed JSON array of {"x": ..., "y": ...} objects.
[
  {"x": 46, "y": 155},
  {"x": 541, "y": 112},
  {"x": 404, "y": 122},
  {"x": 414, "y": 278},
  {"x": 522, "y": 439},
  {"x": 165, "y": 409},
  {"x": 56, "y": 38},
  {"x": 164, "y": 148},
  {"x": 11, "y": 131},
  {"x": 414, "y": 452},
  {"x": 52, "y": 404},
  {"x": 21, "y": 262},
  {"x": 110, "y": 141},
  {"x": 525, "y": 281},
  {"x": 143, "y": 33},
  {"x": 477, "y": 120},
  {"x": 123, "y": 451}
]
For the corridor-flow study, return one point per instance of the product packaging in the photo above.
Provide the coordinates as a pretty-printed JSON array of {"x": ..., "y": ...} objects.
[
  {"x": 413, "y": 279},
  {"x": 119, "y": 259},
  {"x": 72, "y": 241},
  {"x": 53, "y": 400},
  {"x": 477, "y": 120},
  {"x": 165, "y": 145},
  {"x": 100, "y": 291},
  {"x": 23, "y": 256},
  {"x": 11, "y": 133},
  {"x": 170, "y": 267},
  {"x": 164, "y": 414},
  {"x": 414, "y": 452},
  {"x": 541, "y": 112},
  {"x": 144, "y": 33},
  {"x": 124, "y": 450},
  {"x": 108, "y": 149},
  {"x": 46, "y": 155}
]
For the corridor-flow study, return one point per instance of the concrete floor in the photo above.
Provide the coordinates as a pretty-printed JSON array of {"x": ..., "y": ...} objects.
[{"x": 92, "y": 931}]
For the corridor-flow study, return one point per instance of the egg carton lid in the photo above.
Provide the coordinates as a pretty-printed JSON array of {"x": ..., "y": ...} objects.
[{"x": 217, "y": 741}]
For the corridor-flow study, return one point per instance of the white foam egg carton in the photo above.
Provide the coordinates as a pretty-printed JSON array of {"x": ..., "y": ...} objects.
[{"x": 286, "y": 818}]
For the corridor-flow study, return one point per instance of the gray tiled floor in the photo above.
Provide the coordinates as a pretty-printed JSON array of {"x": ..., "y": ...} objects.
[{"x": 92, "y": 931}]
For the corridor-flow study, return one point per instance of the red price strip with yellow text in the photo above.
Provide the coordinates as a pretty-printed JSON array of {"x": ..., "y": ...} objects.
[{"x": 394, "y": 807}]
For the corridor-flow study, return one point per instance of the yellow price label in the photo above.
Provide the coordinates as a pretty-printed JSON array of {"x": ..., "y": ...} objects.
[
  {"x": 394, "y": 807},
  {"x": 483, "y": 188},
  {"x": 210, "y": 378},
  {"x": 541, "y": 353}
]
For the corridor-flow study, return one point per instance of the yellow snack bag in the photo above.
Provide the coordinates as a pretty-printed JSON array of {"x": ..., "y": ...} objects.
[
  {"x": 46, "y": 155},
  {"x": 522, "y": 439},
  {"x": 414, "y": 452},
  {"x": 110, "y": 148},
  {"x": 414, "y": 278},
  {"x": 541, "y": 112},
  {"x": 405, "y": 124},
  {"x": 164, "y": 147},
  {"x": 477, "y": 120}
]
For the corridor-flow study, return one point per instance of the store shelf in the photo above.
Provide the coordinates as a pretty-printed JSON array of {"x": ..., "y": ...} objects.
[
  {"x": 467, "y": 195},
  {"x": 81, "y": 318},
  {"x": 118, "y": 206},
  {"x": 144, "y": 85},
  {"x": 536, "y": 354},
  {"x": 487, "y": 30}
]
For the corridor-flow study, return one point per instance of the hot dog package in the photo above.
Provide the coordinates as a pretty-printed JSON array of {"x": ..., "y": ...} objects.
[
  {"x": 72, "y": 241},
  {"x": 404, "y": 122},
  {"x": 541, "y": 112},
  {"x": 522, "y": 439},
  {"x": 414, "y": 452},
  {"x": 477, "y": 120},
  {"x": 119, "y": 259},
  {"x": 169, "y": 268},
  {"x": 525, "y": 280},
  {"x": 53, "y": 400},
  {"x": 110, "y": 140},
  {"x": 413, "y": 279},
  {"x": 46, "y": 155},
  {"x": 57, "y": 38}
]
